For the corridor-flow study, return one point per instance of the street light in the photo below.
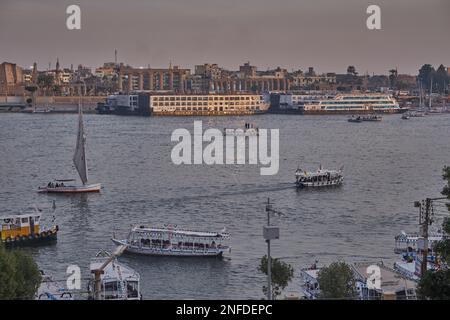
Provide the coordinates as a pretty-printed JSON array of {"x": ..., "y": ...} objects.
[{"x": 270, "y": 233}]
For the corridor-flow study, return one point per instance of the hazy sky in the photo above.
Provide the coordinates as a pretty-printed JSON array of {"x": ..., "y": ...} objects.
[{"x": 326, "y": 34}]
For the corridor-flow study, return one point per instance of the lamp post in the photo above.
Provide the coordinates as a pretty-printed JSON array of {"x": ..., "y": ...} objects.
[{"x": 270, "y": 233}]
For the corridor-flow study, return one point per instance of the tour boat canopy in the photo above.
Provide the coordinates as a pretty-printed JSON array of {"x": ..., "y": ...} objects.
[{"x": 184, "y": 233}]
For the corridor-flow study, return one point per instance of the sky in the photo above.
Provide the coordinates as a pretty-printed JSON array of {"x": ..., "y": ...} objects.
[{"x": 328, "y": 35}]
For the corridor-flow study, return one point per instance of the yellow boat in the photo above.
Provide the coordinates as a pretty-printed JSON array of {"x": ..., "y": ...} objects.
[{"x": 25, "y": 229}]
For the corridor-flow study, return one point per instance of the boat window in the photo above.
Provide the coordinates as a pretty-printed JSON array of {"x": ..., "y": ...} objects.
[
  {"x": 132, "y": 289},
  {"x": 111, "y": 290},
  {"x": 24, "y": 220}
]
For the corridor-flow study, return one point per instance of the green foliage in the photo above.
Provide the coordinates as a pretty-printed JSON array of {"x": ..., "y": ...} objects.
[
  {"x": 426, "y": 72},
  {"x": 45, "y": 81},
  {"x": 281, "y": 272},
  {"x": 337, "y": 281},
  {"x": 436, "y": 284},
  {"x": 19, "y": 275}
]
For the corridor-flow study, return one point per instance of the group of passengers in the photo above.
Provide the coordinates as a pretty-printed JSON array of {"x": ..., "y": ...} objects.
[
  {"x": 167, "y": 244},
  {"x": 55, "y": 185}
]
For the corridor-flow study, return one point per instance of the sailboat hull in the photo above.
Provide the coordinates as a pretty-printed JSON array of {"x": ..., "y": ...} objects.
[{"x": 72, "y": 189}]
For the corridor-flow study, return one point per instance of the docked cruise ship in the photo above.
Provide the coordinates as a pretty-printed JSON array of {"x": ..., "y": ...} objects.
[
  {"x": 185, "y": 104},
  {"x": 207, "y": 105},
  {"x": 355, "y": 103}
]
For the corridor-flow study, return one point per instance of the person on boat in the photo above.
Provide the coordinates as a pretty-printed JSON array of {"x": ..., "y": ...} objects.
[{"x": 49, "y": 185}]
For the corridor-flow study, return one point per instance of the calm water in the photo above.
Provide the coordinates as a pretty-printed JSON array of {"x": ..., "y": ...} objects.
[{"x": 388, "y": 165}]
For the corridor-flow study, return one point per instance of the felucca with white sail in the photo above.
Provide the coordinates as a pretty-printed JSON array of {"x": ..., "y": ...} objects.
[{"x": 79, "y": 160}]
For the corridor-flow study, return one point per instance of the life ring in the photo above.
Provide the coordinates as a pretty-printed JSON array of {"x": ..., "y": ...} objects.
[
  {"x": 43, "y": 294},
  {"x": 66, "y": 293}
]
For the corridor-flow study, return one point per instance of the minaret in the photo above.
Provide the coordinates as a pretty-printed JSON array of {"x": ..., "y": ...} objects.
[{"x": 57, "y": 75}]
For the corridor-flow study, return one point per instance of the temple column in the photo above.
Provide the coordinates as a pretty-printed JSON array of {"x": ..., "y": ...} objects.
[
  {"x": 120, "y": 78},
  {"x": 150, "y": 80},
  {"x": 141, "y": 81},
  {"x": 170, "y": 80},
  {"x": 161, "y": 80},
  {"x": 130, "y": 82}
]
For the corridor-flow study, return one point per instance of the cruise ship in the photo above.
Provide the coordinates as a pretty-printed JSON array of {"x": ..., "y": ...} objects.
[
  {"x": 209, "y": 104},
  {"x": 355, "y": 103},
  {"x": 159, "y": 104}
]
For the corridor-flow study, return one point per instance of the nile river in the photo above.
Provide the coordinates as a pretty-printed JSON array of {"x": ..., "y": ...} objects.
[{"x": 388, "y": 165}]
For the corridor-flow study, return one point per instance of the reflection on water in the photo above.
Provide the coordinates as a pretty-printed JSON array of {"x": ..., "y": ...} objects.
[{"x": 388, "y": 165}]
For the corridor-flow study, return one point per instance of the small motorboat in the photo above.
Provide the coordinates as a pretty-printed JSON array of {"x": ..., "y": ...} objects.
[
  {"x": 357, "y": 119},
  {"x": 373, "y": 117},
  {"x": 406, "y": 116},
  {"x": 250, "y": 130}
]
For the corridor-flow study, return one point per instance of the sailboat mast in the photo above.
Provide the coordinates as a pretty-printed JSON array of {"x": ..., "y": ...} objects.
[
  {"x": 79, "y": 158},
  {"x": 431, "y": 91}
]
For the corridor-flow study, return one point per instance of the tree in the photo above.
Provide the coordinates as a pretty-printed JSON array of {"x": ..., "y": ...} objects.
[
  {"x": 351, "y": 70},
  {"x": 441, "y": 79},
  {"x": 435, "y": 285},
  {"x": 393, "y": 74},
  {"x": 45, "y": 81},
  {"x": 337, "y": 281},
  {"x": 426, "y": 73},
  {"x": 19, "y": 275},
  {"x": 281, "y": 272}
]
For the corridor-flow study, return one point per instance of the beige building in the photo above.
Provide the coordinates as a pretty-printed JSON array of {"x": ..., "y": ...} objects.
[{"x": 173, "y": 79}]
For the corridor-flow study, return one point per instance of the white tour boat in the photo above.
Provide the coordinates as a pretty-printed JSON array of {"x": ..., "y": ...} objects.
[
  {"x": 115, "y": 281},
  {"x": 171, "y": 241},
  {"x": 320, "y": 178},
  {"x": 79, "y": 159}
]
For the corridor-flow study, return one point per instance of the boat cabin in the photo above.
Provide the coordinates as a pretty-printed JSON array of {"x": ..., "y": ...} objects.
[{"x": 118, "y": 281}]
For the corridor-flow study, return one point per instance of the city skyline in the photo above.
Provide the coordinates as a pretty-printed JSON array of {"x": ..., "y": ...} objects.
[{"x": 321, "y": 34}]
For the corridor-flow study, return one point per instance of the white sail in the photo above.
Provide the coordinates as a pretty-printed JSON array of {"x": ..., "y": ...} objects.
[{"x": 79, "y": 158}]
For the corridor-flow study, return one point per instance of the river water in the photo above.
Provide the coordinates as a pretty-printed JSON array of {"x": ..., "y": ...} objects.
[{"x": 388, "y": 165}]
